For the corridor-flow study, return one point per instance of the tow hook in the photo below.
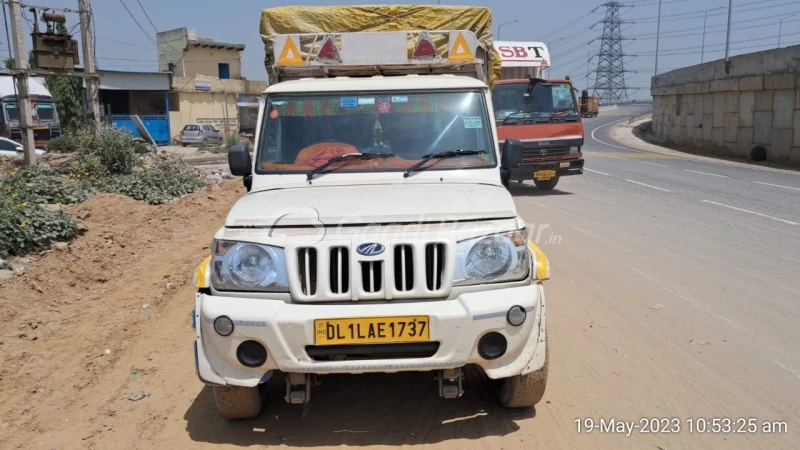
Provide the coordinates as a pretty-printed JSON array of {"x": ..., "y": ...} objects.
[
  {"x": 298, "y": 387},
  {"x": 450, "y": 383}
]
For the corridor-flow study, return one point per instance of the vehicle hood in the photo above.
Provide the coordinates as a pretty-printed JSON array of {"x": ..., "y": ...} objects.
[{"x": 371, "y": 204}]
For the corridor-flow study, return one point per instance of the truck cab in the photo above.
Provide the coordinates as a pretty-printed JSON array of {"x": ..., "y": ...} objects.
[
  {"x": 46, "y": 124},
  {"x": 376, "y": 235},
  {"x": 542, "y": 113}
]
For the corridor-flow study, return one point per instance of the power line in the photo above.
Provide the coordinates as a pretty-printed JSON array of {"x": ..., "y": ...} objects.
[
  {"x": 125, "y": 43},
  {"x": 562, "y": 28},
  {"x": 720, "y": 44},
  {"x": 147, "y": 35},
  {"x": 641, "y": 36},
  {"x": 154, "y": 27},
  {"x": 700, "y": 13}
]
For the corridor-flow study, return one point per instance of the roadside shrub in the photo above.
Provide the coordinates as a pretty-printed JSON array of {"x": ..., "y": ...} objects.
[
  {"x": 62, "y": 144},
  {"x": 107, "y": 151},
  {"x": 162, "y": 180},
  {"x": 231, "y": 140},
  {"x": 25, "y": 225},
  {"x": 40, "y": 184},
  {"x": 758, "y": 153}
]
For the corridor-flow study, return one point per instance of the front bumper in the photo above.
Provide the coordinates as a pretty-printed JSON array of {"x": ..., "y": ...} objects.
[
  {"x": 526, "y": 170},
  {"x": 285, "y": 329}
]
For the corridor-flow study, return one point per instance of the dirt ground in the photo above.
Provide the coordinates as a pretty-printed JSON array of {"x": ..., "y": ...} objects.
[{"x": 84, "y": 364}]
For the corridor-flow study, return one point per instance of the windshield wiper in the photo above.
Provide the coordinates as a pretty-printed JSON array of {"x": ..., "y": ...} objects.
[
  {"x": 441, "y": 155},
  {"x": 350, "y": 156}
]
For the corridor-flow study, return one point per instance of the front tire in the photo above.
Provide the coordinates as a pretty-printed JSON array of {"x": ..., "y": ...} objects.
[
  {"x": 524, "y": 391},
  {"x": 235, "y": 402},
  {"x": 546, "y": 185}
]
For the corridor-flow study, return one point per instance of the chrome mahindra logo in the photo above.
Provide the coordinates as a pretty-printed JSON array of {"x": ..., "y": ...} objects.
[{"x": 370, "y": 249}]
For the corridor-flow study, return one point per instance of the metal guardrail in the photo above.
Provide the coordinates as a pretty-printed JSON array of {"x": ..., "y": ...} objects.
[{"x": 640, "y": 117}]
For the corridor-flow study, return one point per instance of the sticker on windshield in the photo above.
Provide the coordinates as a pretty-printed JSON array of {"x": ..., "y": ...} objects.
[
  {"x": 473, "y": 122},
  {"x": 400, "y": 99},
  {"x": 349, "y": 102},
  {"x": 366, "y": 100}
]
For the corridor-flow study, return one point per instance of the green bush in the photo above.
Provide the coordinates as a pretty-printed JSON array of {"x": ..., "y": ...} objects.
[
  {"x": 758, "y": 153},
  {"x": 62, "y": 144},
  {"x": 25, "y": 226},
  {"x": 108, "y": 151},
  {"x": 163, "y": 180},
  {"x": 231, "y": 140},
  {"x": 39, "y": 184}
]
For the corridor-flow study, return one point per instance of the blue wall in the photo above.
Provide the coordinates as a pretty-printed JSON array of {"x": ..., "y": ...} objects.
[{"x": 156, "y": 125}]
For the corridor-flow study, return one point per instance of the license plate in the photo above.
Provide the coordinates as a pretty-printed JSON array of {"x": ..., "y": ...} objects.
[
  {"x": 544, "y": 175},
  {"x": 564, "y": 165},
  {"x": 372, "y": 330}
]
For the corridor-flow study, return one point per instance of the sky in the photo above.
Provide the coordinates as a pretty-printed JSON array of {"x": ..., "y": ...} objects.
[{"x": 572, "y": 29}]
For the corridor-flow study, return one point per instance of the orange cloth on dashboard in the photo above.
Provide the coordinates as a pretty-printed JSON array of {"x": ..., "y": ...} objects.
[{"x": 318, "y": 154}]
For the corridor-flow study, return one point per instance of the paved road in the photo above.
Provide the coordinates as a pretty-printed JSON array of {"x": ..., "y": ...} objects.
[{"x": 675, "y": 293}]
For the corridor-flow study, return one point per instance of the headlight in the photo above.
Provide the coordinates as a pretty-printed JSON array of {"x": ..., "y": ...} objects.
[
  {"x": 243, "y": 266},
  {"x": 499, "y": 257},
  {"x": 574, "y": 150}
]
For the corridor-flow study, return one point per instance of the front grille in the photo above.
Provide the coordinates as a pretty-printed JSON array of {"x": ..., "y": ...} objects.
[
  {"x": 42, "y": 135},
  {"x": 434, "y": 266},
  {"x": 403, "y": 268},
  {"x": 307, "y": 268},
  {"x": 340, "y": 270},
  {"x": 371, "y": 351},
  {"x": 531, "y": 151},
  {"x": 337, "y": 273},
  {"x": 371, "y": 276}
]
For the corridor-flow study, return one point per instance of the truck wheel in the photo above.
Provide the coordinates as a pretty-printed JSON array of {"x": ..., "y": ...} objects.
[
  {"x": 524, "y": 391},
  {"x": 235, "y": 402},
  {"x": 546, "y": 185}
]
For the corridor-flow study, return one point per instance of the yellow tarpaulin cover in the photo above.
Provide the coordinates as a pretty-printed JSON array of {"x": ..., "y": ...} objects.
[{"x": 344, "y": 19}]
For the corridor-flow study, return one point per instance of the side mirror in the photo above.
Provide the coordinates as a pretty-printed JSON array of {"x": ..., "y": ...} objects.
[
  {"x": 239, "y": 161},
  {"x": 512, "y": 154}
]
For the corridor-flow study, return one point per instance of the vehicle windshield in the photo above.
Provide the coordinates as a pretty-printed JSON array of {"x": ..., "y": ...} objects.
[
  {"x": 46, "y": 111},
  {"x": 545, "y": 100},
  {"x": 41, "y": 111},
  {"x": 302, "y": 132},
  {"x": 12, "y": 112}
]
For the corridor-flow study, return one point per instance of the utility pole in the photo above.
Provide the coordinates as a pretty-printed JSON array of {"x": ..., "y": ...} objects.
[
  {"x": 91, "y": 82},
  {"x": 728, "y": 38},
  {"x": 501, "y": 25},
  {"x": 23, "y": 89},
  {"x": 610, "y": 84},
  {"x": 658, "y": 35},
  {"x": 703, "y": 50}
]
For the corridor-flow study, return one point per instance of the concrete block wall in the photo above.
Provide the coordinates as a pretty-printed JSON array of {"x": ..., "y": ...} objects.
[{"x": 757, "y": 102}]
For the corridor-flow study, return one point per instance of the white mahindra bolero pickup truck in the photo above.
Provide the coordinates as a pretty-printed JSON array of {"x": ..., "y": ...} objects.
[{"x": 376, "y": 236}]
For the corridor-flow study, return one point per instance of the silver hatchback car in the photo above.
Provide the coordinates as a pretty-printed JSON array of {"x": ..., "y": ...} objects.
[{"x": 199, "y": 133}]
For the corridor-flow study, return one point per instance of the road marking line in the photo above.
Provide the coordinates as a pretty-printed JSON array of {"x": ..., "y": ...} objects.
[
  {"x": 788, "y": 369},
  {"x": 697, "y": 304},
  {"x": 706, "y": 173},
  {"x": 777, "y": 185},
  {"x": 652, "y": 187},
  {"x": 652, "y": 164},
  {"x": 612, "y": 145},
  {"x": 596, "y": 171},
  {"x": 752, "y": 212}
]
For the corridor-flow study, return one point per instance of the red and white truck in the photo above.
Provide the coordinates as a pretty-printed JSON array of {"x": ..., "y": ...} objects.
[{"x": 541, "y": 113}]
